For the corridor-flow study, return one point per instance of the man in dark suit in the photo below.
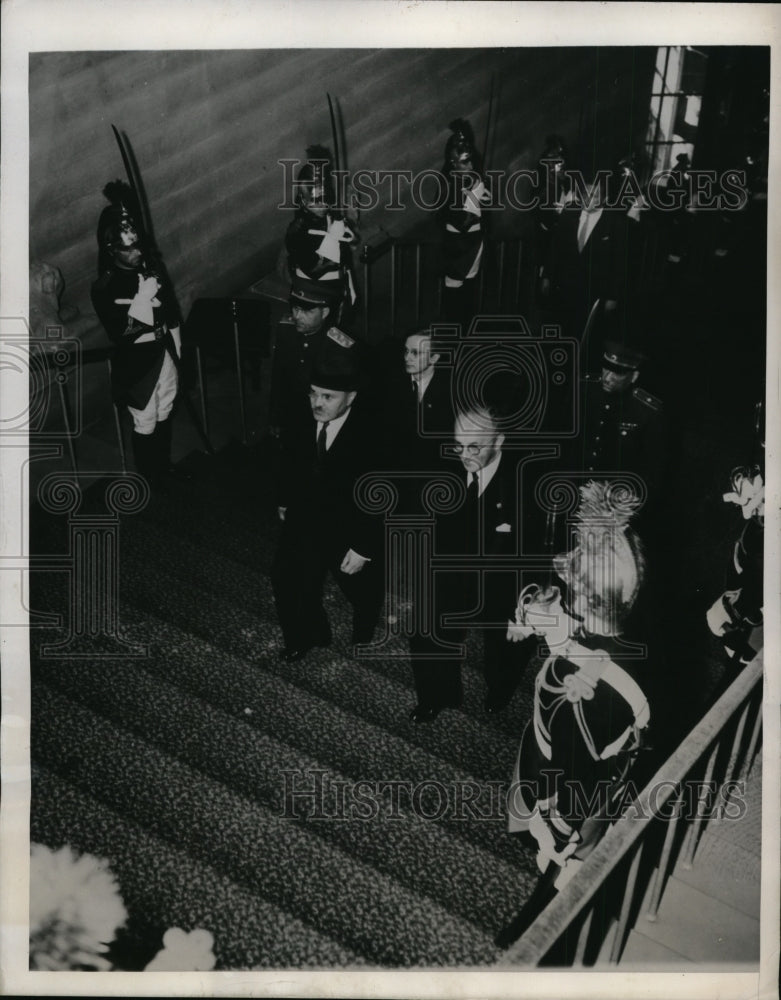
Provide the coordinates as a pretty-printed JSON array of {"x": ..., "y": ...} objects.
[
  {"x": 481, "y": 589},
  {"x": 324, "y": 527},
  {"x": 418, "y": 410},
  {"x": 587, "y": 266}
]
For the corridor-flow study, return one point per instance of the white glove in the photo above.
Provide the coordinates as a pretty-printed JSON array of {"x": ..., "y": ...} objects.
[
  {"x": 473, "y": 198},
  {"x": 539, "y": 829},
  {"x": 143, "y": 305},
  {"x": 329, "y": 247},
  {"x": 717, "y": 615}
]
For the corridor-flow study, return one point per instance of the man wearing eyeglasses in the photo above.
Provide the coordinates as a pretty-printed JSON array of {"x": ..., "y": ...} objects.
[{"x": 479, "y": 590}]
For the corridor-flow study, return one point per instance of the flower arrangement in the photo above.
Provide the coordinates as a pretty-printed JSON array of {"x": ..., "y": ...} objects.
[{"x": 75, "y": 910}]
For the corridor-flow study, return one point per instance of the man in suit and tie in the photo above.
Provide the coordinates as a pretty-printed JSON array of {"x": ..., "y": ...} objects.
[
  {"x": 418, "y": 410},
  {"x": 324, "y": 528},
  {"x": 587, "y": 266},
  {"x": 481, "y": 536}
]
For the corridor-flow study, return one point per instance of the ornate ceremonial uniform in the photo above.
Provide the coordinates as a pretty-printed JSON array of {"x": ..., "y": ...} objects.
[
  {"x": 136, "y": 305},
  {"x": 589, "y": 713},
  {"x": 141, "y": 352},
  {"x": 320, "y": 238},
  {"x": 462, "y": 223}
]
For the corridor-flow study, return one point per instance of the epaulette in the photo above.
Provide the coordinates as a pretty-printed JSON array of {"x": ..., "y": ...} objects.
[
  {"x": 341, "y": 338},
  {"x": 647, "y": 399},
  {"x": 592, "y": 378}
]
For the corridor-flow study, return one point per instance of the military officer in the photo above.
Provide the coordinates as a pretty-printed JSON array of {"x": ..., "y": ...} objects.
[
  {"x": 302, "y": 341},
  {"x": 620, "y": 423}
]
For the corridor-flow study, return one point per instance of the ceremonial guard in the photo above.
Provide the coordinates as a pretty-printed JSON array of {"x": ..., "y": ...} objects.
[
  {"x": 553, "y": 192},
  {"x": 462, "y": 223},
  {"x": 320, "y": 238},
  {"x": 478, "y": 538},
  {"x": 136, "y": 305},
  {"x": 324, "y": 526},
  {"x": 590, "y": 701},
  {"x": 736, "y": 617}
]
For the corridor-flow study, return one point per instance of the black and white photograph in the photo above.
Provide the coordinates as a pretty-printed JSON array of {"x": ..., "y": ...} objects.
[{"x": 389, "y": 399}]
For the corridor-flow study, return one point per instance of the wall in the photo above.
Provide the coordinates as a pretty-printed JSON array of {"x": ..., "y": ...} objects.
[{"x": 208, "y": 129}]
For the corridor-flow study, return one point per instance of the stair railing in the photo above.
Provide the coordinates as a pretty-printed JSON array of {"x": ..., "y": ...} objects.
[
  {"x": 729, "y": 731},
  {"x": 502, "y": 259}
]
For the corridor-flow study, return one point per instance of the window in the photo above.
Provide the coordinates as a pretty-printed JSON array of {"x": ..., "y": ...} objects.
[{"x": 676, "y": 98}]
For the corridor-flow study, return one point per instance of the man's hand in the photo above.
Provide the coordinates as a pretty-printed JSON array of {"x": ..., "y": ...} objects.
[
  {"x": 281, "y": 511},
  {"x": 353, "y": 563}
]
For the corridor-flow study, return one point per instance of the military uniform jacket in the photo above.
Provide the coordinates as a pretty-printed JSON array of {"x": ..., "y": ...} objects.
[
  {"x": 295, "y": 356},
  {"x": 304, "y": 236},
  {"x": 319, "y": 498},
  {"x": 620, "y": 432},
  {"x": 136, "y": 366}
]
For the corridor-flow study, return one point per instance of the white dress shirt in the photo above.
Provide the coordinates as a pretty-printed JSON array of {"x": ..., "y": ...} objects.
[
  {"x": 484, "y": 475},
  {"x": 422, "y": 381},
  {"x": 333, "y": 428}
]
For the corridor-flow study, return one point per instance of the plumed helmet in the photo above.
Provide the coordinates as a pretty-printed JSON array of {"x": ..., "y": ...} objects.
[
  {"x": 118, "y": 227},
  {"x": 315, "y": 174},
  {"x": 606, "y": 568},
  {"x": 460, "y": 146}
]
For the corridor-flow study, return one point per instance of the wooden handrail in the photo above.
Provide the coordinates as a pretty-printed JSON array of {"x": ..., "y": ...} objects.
[{"x": 559, "y": 914}]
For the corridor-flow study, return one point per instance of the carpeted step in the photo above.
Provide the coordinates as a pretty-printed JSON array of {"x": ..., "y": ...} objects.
[
  {"x": 322, "y": 885},
  {"x": 400, "y": 839},
  {"x": 164, "y": 887},
  {"x": 197, "y": 626},
  {"x": 344, "y": 737}
]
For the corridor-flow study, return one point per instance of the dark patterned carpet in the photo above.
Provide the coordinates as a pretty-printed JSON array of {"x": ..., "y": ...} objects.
[{"x": 182, "y": 767}]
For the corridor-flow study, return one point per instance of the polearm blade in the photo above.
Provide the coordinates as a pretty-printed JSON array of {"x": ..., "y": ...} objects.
[
  {"x": 134, "y": 180},
  {"x": 334, "y": 133}
]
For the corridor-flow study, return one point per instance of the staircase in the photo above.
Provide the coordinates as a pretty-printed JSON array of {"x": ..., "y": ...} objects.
[
  {"x": 709, "y": 913},
  {"x": 180, "y": 767}
]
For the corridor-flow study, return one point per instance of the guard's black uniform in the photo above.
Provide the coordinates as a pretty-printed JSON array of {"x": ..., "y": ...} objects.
[{"x": 136, "y": 367}]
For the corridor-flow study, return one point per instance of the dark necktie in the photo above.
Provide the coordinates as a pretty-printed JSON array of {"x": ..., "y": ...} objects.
[
  {"x": 321, "y": 441},
  {"x": 471, "y": 519},
  {"x": 471, "y": 497}
]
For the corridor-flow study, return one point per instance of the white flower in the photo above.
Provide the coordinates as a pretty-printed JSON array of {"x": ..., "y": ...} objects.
[
  {"x": 183, "y": 952},
  {"x": 75, "y": 909}
]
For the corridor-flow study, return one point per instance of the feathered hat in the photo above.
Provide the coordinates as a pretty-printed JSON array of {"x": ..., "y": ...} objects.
[{"x": 606, "y": 568}]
